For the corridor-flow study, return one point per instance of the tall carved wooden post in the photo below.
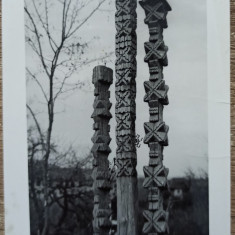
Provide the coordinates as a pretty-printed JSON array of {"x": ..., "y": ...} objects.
[
  {"x": 155, "y": 181},
  {"x": 127, "y": 193},
  {"x": 102, "y": 79}
]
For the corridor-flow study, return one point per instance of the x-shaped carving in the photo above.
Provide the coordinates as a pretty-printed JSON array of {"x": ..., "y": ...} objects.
[
  {"x": 156, "y": 221},
  {"x": 124, "y": 7},
  {"x": 125, "y": 55},
  {"x": 155, "y": 90},
  {"x": 156, "y": 50},
  {"x": 125, "y": 28},
  {"x": 126, "y": 167},
  {"x": 123, "y": 99},
  {"x": 155, "y": 176},
  {"x": 153, "y": 13},
  {"x": 124, "y": 79},
  {"x": 155, "y": 132},
  {"x": 124, "y": 121},
  {"x": 125, "y": 143}
]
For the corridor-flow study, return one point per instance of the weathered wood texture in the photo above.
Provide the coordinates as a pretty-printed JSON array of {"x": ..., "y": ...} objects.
[
  {"x": 125, "y": 110},
  {"x": 156, "y": 130},
  {"x": 232, "y": 63},
  {"x": 127, "y": 195},
  {"x": 102, "y": 79}
]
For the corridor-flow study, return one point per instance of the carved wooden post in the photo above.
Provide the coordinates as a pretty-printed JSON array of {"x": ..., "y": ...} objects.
[
  {"x": 156, "y": 131},
  {"x": 102, "y": 79},
  {"x": 127, "y": 193}
]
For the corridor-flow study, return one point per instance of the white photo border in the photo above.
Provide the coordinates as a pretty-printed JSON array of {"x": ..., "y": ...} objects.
[
  {"x": 218, "y": 59},
  {"x": 14, "y": 117}
]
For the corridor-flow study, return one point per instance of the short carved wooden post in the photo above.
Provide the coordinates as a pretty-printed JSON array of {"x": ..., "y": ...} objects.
[
  {"x": 102, "y": 79},
  {"x": 156, "y": 130},
  {"x": 125, "y": 110}
]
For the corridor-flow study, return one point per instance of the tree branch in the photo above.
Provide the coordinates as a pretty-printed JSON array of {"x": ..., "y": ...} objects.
[
  {"x": 39, "y": 84},
  {"x": 70, "y": 33},
  {"x": 37, "y": 124},
  {"x": 38, "y": 41}
]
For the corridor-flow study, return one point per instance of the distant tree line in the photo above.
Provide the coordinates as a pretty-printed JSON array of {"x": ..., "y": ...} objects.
[{"x": 71, "y": 203}]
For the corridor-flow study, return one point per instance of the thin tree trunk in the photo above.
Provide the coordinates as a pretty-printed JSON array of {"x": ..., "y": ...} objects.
[
  {"x": 46, "y": 209},
  {"x": 32, "y": 187},
  {"x": 47, "y": 155}
]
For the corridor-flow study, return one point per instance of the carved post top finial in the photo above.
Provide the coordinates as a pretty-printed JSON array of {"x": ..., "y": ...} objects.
[
  {"x": 156, "y": 12},
  {"x": 153, "y": 2},
  {"x": 102, "y": 74}
]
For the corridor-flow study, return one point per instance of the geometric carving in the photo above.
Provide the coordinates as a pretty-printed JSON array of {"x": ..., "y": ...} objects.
[
  {"x": 155, "y": 12},
  {"x": 124, "y": 8},
  {"x": 156, "y": 222},
  {"x": 101, "y": 179},
  {"x": 125, "y": 122},
  {"x": 155, "y": 110},
  {"x": 156, "y": 50},
  {"x": 126, "y": 102},
  {"x": 126, "y": 167},
  {"x": 156, "y": 90},
  {"x": 102, "y": 147},
  {"x": 125, "y": 112},
  {"x": 125, "y": 85},
  {"x": 156, "y": 131},
  {"x": 98, "y": 138},
  {"x": 102, "y": 79},
  {"x": 125, "y": 143},
  {"x": 155, "y": 199},
  {"x": 155, "y": 154},
  {"x": 102, "y": 108},
  {"x": 155, "y": 176},
  {"x": 155, "y": 70}
]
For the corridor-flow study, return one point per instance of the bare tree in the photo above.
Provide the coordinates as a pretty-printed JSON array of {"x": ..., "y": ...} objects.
[
  {"x": 69, "y": 190},
  {"x": 59, "y": 49}
]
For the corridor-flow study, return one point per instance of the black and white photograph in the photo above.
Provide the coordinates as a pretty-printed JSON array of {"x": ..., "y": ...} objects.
[
  {"x": 120, "y": 118},
  {"x": 117, "y": 117}
]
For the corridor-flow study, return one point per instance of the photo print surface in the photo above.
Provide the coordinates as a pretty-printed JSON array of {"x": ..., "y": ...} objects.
[{"x": 117, "y": 117}]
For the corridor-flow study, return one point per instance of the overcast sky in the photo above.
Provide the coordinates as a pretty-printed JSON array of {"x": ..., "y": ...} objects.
[{"x": 186, "y": 76}]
